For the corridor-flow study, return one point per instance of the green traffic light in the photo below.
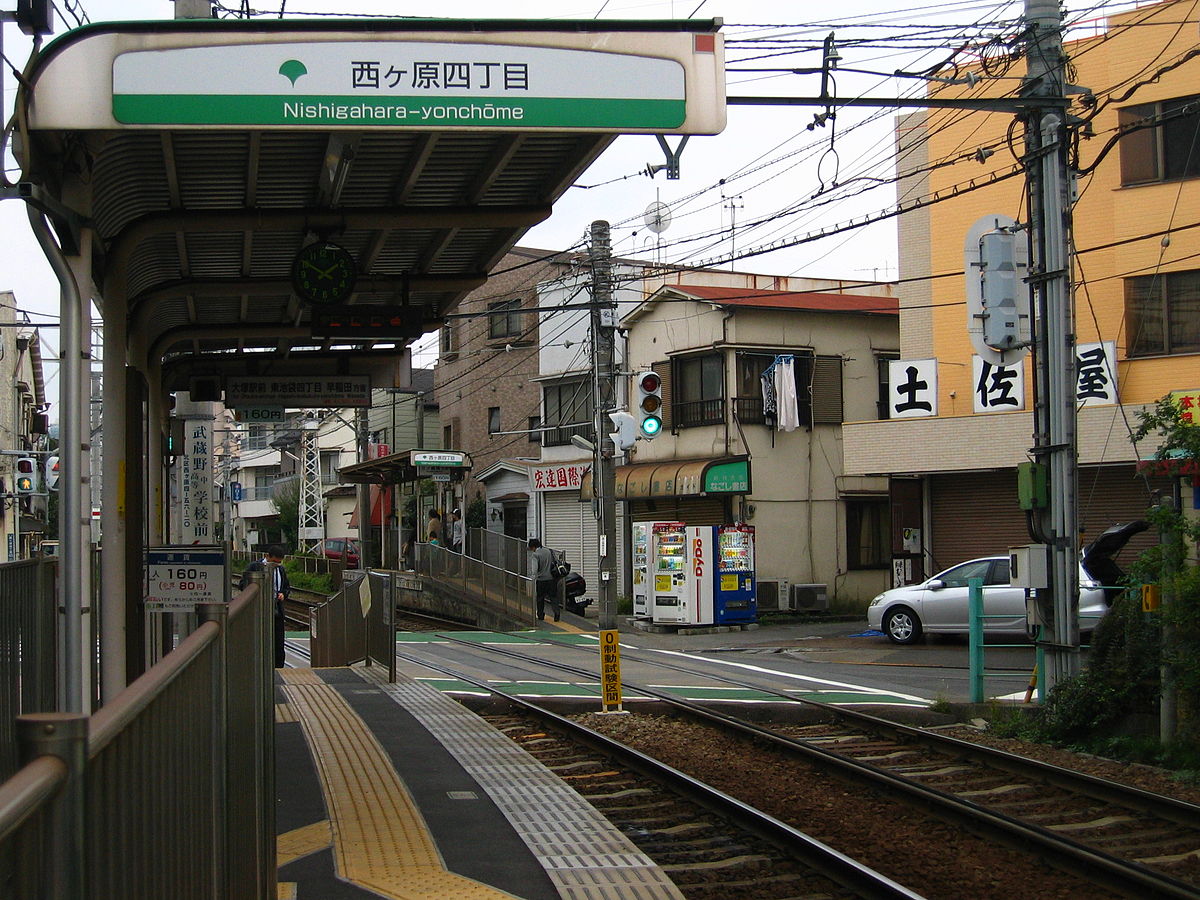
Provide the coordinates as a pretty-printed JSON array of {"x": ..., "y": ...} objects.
[{"x": 651, "y": 425}]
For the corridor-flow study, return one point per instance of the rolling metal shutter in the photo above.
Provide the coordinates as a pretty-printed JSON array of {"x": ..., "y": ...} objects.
[
  {"x": 571, "y": 527},
  {"x": 976, "y": 514},
  {"x": 692, "y": 510}
]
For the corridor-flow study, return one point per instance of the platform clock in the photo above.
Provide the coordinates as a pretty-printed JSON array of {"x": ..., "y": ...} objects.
[{"x": 324, "y": 273}]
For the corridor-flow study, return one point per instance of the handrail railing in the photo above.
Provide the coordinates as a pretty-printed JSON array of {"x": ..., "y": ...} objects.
[
  {"x": 499, "y": 550},
  {"x": 135, "y": 800},
  {"x": 505, "y": 591},
  {"x": 336, "y": 632}
]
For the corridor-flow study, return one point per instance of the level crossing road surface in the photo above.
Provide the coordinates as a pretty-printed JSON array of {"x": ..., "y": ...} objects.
[{"x": 834, "y": 662}]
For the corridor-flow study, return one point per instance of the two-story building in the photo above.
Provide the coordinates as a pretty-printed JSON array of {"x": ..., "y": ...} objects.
[
  {"x": 959, "y": 426},
  {"x": 730, "y": 452}
]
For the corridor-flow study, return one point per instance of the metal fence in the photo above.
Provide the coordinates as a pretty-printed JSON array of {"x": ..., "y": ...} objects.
[
  {"x": 28, "y": 647},
  {"x": 337, "y": 636},
  {"x": 491, "y": 585},
  {"x": 381, "y": 621},
  {"x": 498, "y": 550},
  {"x": 168, "y": 791}
]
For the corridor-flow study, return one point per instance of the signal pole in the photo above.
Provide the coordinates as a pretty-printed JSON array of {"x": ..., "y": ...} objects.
[
  {"x": 1053, "y": 317},
  {"x": 604, "y": 476}
]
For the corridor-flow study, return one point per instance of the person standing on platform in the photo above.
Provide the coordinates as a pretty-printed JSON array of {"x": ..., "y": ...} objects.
[
  {"x": 281, "y": 590},
  {"x": 434, "y": 528},
  {"x": 455, "y": 538},
  {"x": 541, "y": 562}
]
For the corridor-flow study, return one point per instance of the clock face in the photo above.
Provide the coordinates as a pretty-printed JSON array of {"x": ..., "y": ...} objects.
[{"x": 323, "y": 273}]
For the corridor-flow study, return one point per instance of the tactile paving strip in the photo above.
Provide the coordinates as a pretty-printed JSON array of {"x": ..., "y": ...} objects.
[
  {"x": 380, "y": 839},
  {"x": 586, "y": 857}
]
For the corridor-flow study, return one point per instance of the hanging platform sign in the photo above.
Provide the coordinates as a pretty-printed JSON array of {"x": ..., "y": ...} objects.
[
  {"x": 507, "y": 82},
  {"x": 295, "y": 391}
]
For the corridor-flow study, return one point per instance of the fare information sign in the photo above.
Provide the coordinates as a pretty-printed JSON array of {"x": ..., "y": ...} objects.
[
  {"x": 295, "y": 391},
  {"x": 180, "y": 577}
]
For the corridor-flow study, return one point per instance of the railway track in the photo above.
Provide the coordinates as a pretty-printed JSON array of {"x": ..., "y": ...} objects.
[
  {"x": 712, "y": 845},
  {"x": 1130, "y": 841}
]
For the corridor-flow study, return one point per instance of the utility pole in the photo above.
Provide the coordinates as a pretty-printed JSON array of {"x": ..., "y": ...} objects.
[
  {"x": 604, "y": 474},
  {"x": 365, "y": 538},
  {"x": 1054, "y": 337}
]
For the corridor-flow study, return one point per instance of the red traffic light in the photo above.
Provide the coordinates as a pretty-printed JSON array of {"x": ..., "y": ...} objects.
[
  {"x": 26, "y": 466},
  {"x": 650, "y": 382}
]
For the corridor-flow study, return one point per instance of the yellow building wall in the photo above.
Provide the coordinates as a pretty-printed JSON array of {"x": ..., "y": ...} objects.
[{"x": 1136, "y": 45}]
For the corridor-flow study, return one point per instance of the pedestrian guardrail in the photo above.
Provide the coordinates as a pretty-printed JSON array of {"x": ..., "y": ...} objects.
[
  {"x": 28, "y": 647},
  {"x": 489, "y": 584},
  {"x": 336, "y": 633},
  {"x": 168, "y": 790},
  {"x": 976, "y": 647}
]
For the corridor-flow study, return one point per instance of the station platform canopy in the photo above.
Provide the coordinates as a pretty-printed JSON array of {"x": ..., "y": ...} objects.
[{"x": 200, "y": 159}]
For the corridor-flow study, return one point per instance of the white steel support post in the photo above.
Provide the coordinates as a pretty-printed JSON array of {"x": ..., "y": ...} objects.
[
  {"x": 604, "y": 479},
  {"x": 1054, "y": 407},
  {"x": 114, "y": 502},
  {"x": 312, "y": 511},
  {"x": 75, "y": 528}
]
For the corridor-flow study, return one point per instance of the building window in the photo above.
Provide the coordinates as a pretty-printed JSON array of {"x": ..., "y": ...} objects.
[
  {"x": 868, "y": 534},
  {"x": 447, "y": 342},
  {"x": 748, "y": 404},
  {"x": 493, "y": 420},
  {"x": 698, "y": 393},
  {"x": 1166, "y": 151},
  {"x": 535, "y": 422},
  {"x": 883, "y": 402},
  {"x": 257, "y": 438},
  {"x": 568, "y": 411},
  {"x": 504, "y": 319},
  {"x": 1162, "y": 313},
  {"x": 447, "y": 437},
  {"x": 329, "y": 466}
]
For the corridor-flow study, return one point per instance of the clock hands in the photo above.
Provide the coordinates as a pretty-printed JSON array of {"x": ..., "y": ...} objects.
[{"x": 324, "y": 273}]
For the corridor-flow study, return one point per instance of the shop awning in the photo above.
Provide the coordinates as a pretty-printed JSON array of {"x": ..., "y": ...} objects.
[{"x": 679, "y": 478}]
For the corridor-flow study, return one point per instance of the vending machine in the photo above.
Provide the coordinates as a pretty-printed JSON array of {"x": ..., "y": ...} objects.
[
  {"x": 641, "y": 578},
  {"x": 734, "y": 590},
  {"x": 666, "y": 581},
  {"x": 702, "y": 574}
]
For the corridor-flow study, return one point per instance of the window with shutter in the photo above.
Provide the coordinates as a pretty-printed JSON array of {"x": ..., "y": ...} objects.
[{"x": 827, "y": 390}]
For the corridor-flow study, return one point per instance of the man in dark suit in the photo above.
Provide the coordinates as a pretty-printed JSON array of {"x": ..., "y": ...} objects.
[{"x": 281, "y": 589}]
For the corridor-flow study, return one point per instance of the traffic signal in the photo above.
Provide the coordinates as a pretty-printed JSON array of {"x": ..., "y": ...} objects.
[
  {"x": 649, "y": 385},
  {"x": 626, "y": 426},
  {"x": 52, "y": 473},
  {"x": 26, "y": 475},
  {"x": 999, "y": 285}
]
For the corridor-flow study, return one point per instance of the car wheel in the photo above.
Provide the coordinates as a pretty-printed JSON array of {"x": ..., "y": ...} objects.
[{"x": 902, "y": 626}]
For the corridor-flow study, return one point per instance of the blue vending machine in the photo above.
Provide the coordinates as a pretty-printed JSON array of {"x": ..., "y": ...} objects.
[{"x": 734, "y": 594}]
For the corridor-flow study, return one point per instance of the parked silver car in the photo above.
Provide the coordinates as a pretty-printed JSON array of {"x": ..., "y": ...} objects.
[{"x": 939, "y": 604}]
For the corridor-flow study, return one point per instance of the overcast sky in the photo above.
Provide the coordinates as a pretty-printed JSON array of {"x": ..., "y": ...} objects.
[{"x": 768, "y": 158}]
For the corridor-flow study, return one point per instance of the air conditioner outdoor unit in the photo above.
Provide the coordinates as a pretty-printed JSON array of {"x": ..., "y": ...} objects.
[
  {"x": 808, "y": 597},
  {"x": 772, "y": 594}
]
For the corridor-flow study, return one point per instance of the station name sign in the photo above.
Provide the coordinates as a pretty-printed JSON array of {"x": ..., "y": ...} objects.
[
  {"x": 439, "y": 458},
  {"x": 291, "y": 391},
  {"x": 486, "y": 85}
]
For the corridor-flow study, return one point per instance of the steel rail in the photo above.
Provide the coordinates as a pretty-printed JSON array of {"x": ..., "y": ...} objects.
[
  {"x": 1131, "y": 879},
  {"x": 1179, "y": 811},
  {"x": 849, "y": 873}
]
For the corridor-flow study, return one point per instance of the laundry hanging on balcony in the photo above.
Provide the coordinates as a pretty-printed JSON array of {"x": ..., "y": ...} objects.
[{"x": 779, "y": 393}]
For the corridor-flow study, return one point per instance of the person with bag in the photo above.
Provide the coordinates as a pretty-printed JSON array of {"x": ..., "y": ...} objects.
[
  {"x": 541, "y": 568},
  {"x": 281, "y": 589}
]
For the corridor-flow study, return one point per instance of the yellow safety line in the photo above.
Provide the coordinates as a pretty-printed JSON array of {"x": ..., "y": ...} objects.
[
  {"x": 284, "y": 713},
  {"x": 285, "y": 890},
  {"x": 300, "y": 842},
  {"x": 380, "y": 838}
]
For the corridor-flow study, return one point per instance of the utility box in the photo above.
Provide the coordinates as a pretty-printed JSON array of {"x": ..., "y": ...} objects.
[
  {"x": 1029, "y": 566},
  {"x": 1032, "y": 486}
]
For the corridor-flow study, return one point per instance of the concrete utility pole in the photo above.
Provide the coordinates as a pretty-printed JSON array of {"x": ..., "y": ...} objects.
[
  {"x": 1054, "y": 320},
  {"x": 366, "y": 542},
  {"x": 603, "y": 472}
]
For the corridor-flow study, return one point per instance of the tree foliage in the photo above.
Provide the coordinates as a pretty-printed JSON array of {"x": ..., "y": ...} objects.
[{"x": 286, "y": 501}]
